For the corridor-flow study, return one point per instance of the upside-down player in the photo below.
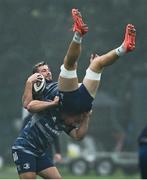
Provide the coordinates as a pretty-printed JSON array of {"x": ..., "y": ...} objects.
[{"x": 75, "y": 99}]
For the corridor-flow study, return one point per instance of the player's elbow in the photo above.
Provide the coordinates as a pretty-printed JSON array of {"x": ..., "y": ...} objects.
[{"x": 25, "y": 105}]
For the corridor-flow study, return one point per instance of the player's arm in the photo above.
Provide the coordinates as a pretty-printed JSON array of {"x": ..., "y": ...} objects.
[
  {"x": 80, "y": 132},
  {"x": 27, "y": 95},
  {"x": 37, "y": 105}
]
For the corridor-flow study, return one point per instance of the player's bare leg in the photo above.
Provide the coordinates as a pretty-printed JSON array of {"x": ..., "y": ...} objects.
[
  {"x": 68, "y": 80},
  {"x": 50, "y": 173},
  {"x": 27, "y": 175},
  {"x": 92, "y": 79}
]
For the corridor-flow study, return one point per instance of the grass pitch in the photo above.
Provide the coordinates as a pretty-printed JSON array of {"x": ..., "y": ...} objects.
[{"x": 10, "y": 173}]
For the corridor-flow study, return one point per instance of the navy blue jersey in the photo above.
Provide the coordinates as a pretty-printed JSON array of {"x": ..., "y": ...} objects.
[
  {"x": 46, "y": 125},
  {"x": 43, "y": 127},
  {"x": 40, "y": 132}
]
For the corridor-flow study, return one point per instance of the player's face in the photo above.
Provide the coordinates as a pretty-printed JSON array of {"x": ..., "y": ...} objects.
[{"x": 45, "y": 71}]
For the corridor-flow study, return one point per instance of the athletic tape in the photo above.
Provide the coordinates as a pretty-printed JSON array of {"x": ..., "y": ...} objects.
[
  {"x": 92, "y": 75},
  {"x": 67, "y": 74}
]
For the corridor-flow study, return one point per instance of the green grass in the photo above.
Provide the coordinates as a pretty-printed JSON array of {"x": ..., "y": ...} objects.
[{"x": 10, "y": 173}]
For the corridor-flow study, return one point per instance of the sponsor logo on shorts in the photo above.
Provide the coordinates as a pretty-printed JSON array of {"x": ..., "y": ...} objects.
[{"x": 26, "y": 166}]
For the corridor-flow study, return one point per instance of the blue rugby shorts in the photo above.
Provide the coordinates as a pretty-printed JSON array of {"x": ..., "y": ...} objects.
[
  {"x": 77, "y": 101},
  {"x": 29, "y": 163}
]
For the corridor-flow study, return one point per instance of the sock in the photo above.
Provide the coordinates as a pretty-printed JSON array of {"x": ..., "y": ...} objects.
[
  {"x": 120, "y": 51},
  {"x": 77, "y": 38}
]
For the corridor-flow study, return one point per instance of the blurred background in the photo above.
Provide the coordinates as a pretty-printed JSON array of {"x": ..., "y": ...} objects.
[{"x": 32, "y": 31}]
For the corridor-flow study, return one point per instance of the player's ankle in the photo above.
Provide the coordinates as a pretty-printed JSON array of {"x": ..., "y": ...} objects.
[
  {"x": 77, "y": 37},
  {"x": 120, "y": 51}
]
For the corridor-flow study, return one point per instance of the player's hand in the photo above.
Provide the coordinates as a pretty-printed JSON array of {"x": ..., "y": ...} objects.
[
  {"x": 86, "y": 115},
  {"x": 35, "y": 78},
  {"x": 57, "y": 157},
  {"x": 93, "y": 56},
  {"x": 56, "y": 100}
]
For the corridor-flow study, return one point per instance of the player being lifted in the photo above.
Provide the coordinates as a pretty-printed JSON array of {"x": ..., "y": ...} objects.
[{"x": 75, "y": 99}]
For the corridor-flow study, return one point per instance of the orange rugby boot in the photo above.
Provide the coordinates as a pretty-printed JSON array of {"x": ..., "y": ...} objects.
[{"x": 79, "y": 25}]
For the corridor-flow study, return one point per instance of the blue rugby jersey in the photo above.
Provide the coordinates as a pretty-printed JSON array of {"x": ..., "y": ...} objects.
[
  {"x": 42, "y": 127},
  {"x": 40, "y": 132}
]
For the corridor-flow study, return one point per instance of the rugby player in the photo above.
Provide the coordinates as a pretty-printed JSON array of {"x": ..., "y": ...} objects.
[{"x": 77, "y": 99}]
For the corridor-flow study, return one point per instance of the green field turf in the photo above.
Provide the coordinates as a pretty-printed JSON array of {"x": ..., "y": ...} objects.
[{"x": 10, "y": 173}]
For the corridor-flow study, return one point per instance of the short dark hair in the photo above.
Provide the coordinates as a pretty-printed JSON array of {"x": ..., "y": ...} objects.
[{"x": 35, "y": 67}]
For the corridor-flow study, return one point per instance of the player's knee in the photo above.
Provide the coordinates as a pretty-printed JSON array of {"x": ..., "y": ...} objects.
[
  {"x": 58, "y": 177},
  {"x": 90, "y": 74}
]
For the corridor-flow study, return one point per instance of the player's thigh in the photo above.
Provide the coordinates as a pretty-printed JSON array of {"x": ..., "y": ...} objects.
[
  {"x": 25, "y": 163},
  {"x": 91, "y": 86},
  {"x": 45, "y": 166},
  {"x": 65, "y": 84},
  {"x": 50, "y": 173},
  {"x": 28, "y": 175}
]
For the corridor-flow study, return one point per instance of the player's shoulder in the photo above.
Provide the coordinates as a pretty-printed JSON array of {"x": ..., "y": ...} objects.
[{"x": 50, "y": 84}]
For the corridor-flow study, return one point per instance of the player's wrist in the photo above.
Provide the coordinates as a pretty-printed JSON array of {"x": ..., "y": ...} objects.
[
  {"x": 52, "y": 103},
  {"x": 29, "y": 81}
]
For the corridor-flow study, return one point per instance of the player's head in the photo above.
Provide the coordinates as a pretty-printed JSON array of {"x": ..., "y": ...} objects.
[
  {"x": 43, "y": 68},
  {"x": 71, "y": 119}
]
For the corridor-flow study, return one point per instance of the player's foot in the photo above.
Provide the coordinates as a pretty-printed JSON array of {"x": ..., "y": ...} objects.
[
  {"x": 79, "y": 25},
  {"x": 130, "y": 36}
]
